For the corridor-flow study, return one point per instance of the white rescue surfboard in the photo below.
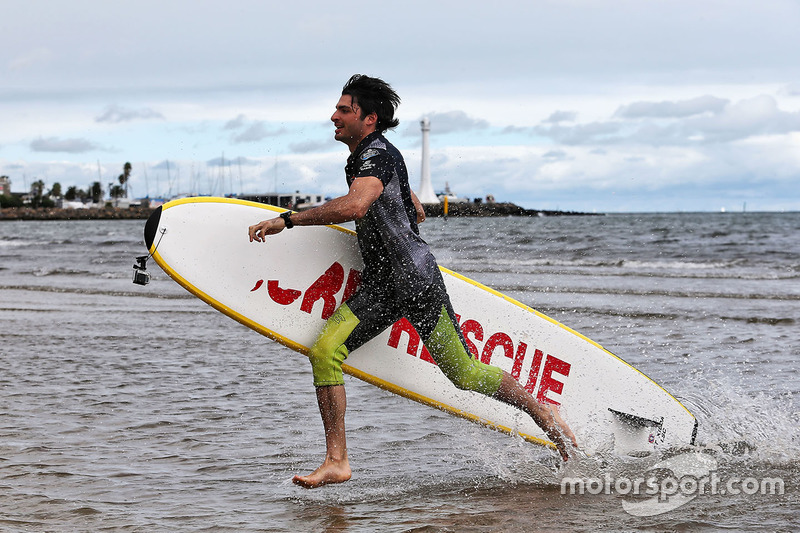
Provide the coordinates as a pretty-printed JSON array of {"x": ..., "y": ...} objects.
[{"x": 286, "y": 287}]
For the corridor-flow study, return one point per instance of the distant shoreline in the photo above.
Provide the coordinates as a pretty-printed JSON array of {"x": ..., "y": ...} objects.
[
  {"x": 456, "y": 209},
  {"x": 507, "y": 209},
  {"x": 92, "y": 213}
]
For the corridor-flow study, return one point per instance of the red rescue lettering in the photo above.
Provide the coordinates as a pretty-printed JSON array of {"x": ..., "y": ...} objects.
[
  {"x": 533, "y": 375},
  {"x": 352, "y": 285},
  {"x": 414, "y": 340},
  {"x": 549, "y": 383},
  {"x": 539, "y": 376},
  {"x": 472, "y": 327},
  {"x": 324, "y": 288},
  {"x": 404, "y": 326},
  {"x": 516, "y": 370},
  {"x": 281, "y": 296},
  {"x": 498, "y": 339}
]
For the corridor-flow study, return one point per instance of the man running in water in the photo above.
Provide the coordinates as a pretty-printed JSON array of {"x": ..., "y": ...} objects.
[{"x": 400, "y": 279}]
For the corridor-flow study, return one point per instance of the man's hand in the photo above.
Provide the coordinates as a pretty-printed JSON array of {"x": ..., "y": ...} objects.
[{"x": 259, "y": 232}]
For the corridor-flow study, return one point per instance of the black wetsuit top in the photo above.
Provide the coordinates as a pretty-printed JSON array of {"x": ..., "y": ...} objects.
[{"x": 394, "y": 254}]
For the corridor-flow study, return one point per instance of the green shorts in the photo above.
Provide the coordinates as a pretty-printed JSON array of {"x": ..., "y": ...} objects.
[{"x": 370, "y": 311}]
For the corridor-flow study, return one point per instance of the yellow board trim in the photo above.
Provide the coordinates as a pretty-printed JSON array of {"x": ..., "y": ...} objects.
[
  {"x": 373, "y": 380},
  {"x": 221, "y": 200}
]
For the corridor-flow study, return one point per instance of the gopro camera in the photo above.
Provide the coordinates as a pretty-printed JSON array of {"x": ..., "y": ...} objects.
[{"x": 140, "y": 274}]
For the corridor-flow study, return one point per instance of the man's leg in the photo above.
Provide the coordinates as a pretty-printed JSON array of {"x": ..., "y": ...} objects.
[
  {"x": 332, "y": 401},
  {"x": 327, "y": 356},
  {"x": 448, "y": 350},
  {"x": 546, "y": 417},
  {"x": 435, "y": 321}
]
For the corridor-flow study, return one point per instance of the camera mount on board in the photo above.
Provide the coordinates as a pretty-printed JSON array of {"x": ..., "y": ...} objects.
[{"x": 140, "y": 274}]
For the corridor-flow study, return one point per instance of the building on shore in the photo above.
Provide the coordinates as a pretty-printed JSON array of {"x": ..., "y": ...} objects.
[{"x": 296, "y": 201}]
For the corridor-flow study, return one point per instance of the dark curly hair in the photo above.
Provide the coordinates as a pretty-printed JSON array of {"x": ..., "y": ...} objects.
[{"x": 373, "y": 95}]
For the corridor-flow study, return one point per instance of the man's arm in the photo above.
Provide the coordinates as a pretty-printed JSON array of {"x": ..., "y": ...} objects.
[
  {"x": 352, "y": 206},
  {"x": 418, "y": 207}
]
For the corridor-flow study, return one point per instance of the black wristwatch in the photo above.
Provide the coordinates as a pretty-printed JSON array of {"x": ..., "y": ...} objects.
[{"x": 288, "y": 221}]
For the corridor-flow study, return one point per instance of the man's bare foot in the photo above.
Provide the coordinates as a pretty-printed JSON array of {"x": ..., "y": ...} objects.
[
  {"x": 560, "y": 433},
  {"x": 330, "y": 472}
]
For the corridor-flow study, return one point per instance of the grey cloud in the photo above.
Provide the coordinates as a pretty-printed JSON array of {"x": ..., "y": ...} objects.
[
  {"x": 219, "y": 162},
  {"x": 793, "y": 89},
  {"x": 592, "y": 133},
  {"x": 561, "y": 116},
  {"x": 674, "y": 109},
  {"x": 555, "y": 155},
  {"x": 235, "y": 124},
  {"x": 448, "y": 122},
  {"x": 310, "y": 146},
  {"x": 684, "y": 123},
  {"x": 54, "y": 144},
  {"x": 164, "y": 165},
  {"x": 516, "y": 129},
  {"x": 116, "y": 114},
  {"x": 755, "y": 116},
  {"x": 256, "y": 132}
]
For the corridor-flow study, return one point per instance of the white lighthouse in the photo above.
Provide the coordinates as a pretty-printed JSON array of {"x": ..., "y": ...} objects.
[{"x": 425, "y": 192}]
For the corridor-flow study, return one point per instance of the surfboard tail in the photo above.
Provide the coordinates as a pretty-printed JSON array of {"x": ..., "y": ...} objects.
[{"x": 634, "y": 434}]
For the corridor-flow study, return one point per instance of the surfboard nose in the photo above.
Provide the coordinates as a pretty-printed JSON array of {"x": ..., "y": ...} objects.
[{"x": 151, "y": 227}]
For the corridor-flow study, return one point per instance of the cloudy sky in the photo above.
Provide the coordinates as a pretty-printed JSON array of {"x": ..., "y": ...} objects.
[{"x": 609, "y": 105}]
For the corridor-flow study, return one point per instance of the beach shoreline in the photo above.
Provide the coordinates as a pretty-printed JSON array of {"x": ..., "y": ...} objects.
[
  {"x": 142, "y": 213},
  {"x": 92, "y": 213}
]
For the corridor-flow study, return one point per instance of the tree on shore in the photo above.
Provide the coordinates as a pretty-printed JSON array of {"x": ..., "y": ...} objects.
[
  {"x": 38, "y": 199},
  {"x": 37, "y": 188},
  {"x": 74, "y": 193},
  {"x": 9, "y": 200},
  {"x": 96, "y": 192},
  {"x": 117, "y": 192},
  {"x": 55, "y": 190},
  {"x": 125, "y": 177}
]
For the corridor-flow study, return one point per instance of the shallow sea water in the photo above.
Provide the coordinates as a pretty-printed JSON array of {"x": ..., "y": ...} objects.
[{"x": 143, "y": 409}]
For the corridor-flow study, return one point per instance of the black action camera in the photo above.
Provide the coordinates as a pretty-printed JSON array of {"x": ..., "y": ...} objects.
[{"x": 140, "y": 274}]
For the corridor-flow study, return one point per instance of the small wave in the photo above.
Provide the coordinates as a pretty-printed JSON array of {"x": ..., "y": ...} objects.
[
  {"x": 60, "y": 271},
  {"x": 126, "y": 242},
  {"x": 619, "y": 263},
  {"x": 76, "y": 290},
  {"x": 769, "y": 321},
  {"x": 733, "y": 270},
  {"x": 678, "y": 265},
  {"x": 13, "y": 243},
  {"x": 648, "y": 293},
  {"x": 615, "y": 270}
]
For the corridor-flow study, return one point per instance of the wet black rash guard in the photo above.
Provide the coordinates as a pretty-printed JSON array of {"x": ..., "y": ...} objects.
[{"x": 394, "y": 254}]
